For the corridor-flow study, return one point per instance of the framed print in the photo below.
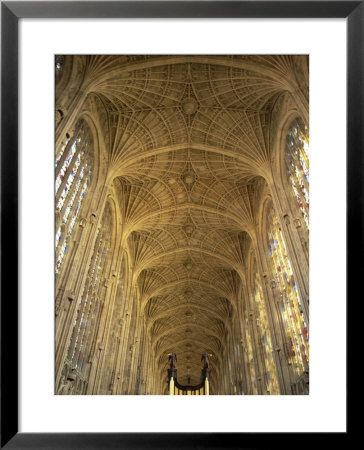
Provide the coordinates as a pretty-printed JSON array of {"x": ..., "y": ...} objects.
[{"x": 183, "y": 250}]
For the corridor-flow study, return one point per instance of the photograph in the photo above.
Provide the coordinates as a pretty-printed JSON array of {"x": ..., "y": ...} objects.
[
  {"x": 181, "y": 215},
  {"x": 200, "y": 232}
]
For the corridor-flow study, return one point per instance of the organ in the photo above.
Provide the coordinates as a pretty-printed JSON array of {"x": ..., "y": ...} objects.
[{"x": 175, "y": 388}]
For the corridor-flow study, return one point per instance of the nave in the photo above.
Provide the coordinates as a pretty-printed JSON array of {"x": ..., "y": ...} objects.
[{"x": 181, "y": 224}]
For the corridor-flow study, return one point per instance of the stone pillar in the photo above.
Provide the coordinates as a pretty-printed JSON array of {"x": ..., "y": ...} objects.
[
  {"x": 123, "y": 351},
  {"x": 273, "y": 315},
  {"x": 294, "y": 238},
  {"x": 72, "y": 279},
  {"x": 102, "y": 337},
  {"x": 110, "y": 290},
  {"x": 259, "y": 361},
  {"x": 68, "y": 314},
  {"x": 297, "y": 254},
  {"x": 248, "y": 379},
  {"x": 128, "y": 339}
]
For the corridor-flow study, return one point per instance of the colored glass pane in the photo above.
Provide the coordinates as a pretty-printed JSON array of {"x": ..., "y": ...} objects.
[
  {"x": 79, "y": 348},
  {"x": 296, "y": 345},
  {"x": 65, "y": 165},
  {"x": 297, "y": 164},
  {"x": 251, "y": 365},
  {"x": 72, "y": 181},
  {"x": 60, "y": 154},
  {"x": 270, "y": 374}
]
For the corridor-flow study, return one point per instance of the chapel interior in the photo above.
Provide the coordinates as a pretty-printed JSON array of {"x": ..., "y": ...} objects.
[{"x": 181, "y": 224}]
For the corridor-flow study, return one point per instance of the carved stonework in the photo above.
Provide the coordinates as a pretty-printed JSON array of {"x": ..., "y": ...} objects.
[
  {"x": 297, "y": 223},
  {"x": 179, "y": 159},
  {"x": 286, "y": 219},
  {"x": 189, "y": 105},
  {"x": 108, "y": 282},
  {"x": 83, "y": 222},
  {"x": 59, "y": 116}
]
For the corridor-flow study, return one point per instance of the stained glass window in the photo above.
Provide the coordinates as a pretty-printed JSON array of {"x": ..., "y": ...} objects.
[
  {"x": 251, "y": 364},
  {"x": 89, "y": 304},
  {"x": 297, "y": 164},
  {"x": 295, "y": 327},
  {"x": 61, "y": 152},
  {"x": 76, "y": 354},
  {"x": 270, "y": 374},
  {"x": 73, "y": 175}
]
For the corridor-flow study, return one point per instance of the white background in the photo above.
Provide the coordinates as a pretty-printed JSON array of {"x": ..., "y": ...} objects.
[{"x": 324, "y": 408}]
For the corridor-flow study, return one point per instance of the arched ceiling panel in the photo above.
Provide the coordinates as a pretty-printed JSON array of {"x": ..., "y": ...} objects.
[{"x": 188, "y": 142}]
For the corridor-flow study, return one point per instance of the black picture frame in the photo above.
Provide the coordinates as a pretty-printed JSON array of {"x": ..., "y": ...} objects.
[{"x": 11, "y": 12}]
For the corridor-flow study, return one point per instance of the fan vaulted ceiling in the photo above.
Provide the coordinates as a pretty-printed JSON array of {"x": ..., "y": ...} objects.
[{"x": 188, "y": 139}]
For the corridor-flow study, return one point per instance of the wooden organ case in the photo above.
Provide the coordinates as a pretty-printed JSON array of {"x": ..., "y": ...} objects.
[{"x": 175, "y": 388}]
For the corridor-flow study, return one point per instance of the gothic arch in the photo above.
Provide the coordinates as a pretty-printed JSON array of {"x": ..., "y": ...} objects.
[
  {"x": 188, "y": 154},
  {"x": 280, "y": 163}
]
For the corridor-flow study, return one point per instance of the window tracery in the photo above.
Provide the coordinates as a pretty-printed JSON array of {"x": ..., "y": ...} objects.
[
  {"x": 154, "y": 199},
  {"x": 296, "y": 348},
  {"x": 251, "y": 364},
  {"x": 270, "y": 367},
  {"x": 61, "y": 152},
  {"x": 74, "y": 164},
  {"x": 297, "y": 164},
  {"x": 90, "y": 303}
]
